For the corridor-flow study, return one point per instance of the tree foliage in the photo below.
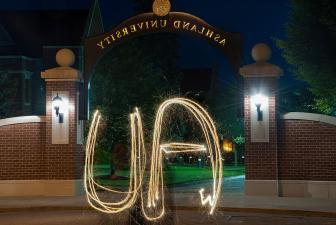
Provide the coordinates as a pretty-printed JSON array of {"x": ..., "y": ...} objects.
[
  {"x": 310, "y": 48},
  {"x": 133, "y": 74},
  {"x": 297, "y": 99},
  {"x": 140, "y": 72},
  {"x": 224, "y": 107}
]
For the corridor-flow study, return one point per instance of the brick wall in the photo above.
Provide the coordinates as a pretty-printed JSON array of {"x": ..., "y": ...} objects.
[
  {"x": 307, "y": 150},
  {"x": 63, "y": 161},
  {"x": 260, "y": 158},
  {"x": 26, "y": 149},
  {"x": 22, "y": 151}
]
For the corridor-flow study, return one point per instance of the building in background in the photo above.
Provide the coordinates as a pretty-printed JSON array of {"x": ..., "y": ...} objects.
[{"x": 29, "y": 41}]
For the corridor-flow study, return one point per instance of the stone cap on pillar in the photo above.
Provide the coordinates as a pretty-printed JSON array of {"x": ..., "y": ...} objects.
[
  {"x": 261, "y": 53},
  {"x": 65, "y": 58}
]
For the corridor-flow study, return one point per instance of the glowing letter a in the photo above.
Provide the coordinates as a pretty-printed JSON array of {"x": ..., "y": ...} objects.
[{"x": 153, "y": 203}]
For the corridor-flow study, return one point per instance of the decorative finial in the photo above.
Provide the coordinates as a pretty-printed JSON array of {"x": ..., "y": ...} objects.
[
  {"x": 65, "y": 57},
  {"x": 261, "y": 53},
  {"x": 161, "y": 7}
]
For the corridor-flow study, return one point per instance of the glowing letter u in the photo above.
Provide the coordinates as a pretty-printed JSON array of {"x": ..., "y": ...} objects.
[{"x": 153, "y": 204}]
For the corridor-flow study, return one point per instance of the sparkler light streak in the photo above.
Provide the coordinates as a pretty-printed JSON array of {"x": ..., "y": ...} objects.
[
  {"x": 181, "y": 147},
  {"x": 152, "y": 201},
  {"x": 206, "y": 200},
  {"x": 137, "y": 168}
]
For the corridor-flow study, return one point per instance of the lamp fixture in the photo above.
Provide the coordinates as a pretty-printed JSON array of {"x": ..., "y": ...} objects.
[
  {"x": 57, "y": 102},
  {"x": 259, "y": 100}
]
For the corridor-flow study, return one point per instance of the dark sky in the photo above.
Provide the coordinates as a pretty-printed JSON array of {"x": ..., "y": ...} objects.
[{"x": 257, "y": 20}]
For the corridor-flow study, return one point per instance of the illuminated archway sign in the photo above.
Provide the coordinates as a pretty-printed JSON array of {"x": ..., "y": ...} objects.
[
  {"x": 152, "y": 200},
  {"x": 148, "y": 23}
]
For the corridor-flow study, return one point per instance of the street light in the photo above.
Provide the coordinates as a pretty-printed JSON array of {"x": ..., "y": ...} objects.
[
  {"x": 227, "y": 145},
  {"x": 57, "y": 103},
  {"x": 258, "y": 100}
]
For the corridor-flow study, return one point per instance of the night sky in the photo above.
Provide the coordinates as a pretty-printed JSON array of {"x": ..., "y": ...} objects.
[{"x": 257, "y": 20}]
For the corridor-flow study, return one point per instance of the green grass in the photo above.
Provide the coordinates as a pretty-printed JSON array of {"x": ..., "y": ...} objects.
[
  {"x": 172, "y": 175},
  {"x": 183, "y": 174}
]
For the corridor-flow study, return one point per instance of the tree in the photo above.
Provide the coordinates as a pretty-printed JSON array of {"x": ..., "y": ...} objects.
[
  {"x": 141, "y": 72},
  {"x": 297, "y": 99},
  {"x": 9, "y": 106},
  {"x": 224, "y": 105},
  {"x": 310, "y": 49},
  {"x": 125, "y": 78}
]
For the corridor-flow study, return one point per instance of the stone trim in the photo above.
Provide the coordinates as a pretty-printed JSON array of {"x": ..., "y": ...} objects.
[
  {"x": 291, "y": 188},
  {"x": 260, "y": 70},
  {"x": 10, "y": 188},
  {"x": 261, "y": 188},
  {"x": 310, "y": 116},
  {"x": 22, "y": 119},
  {"x": 61, "y": 73},
  {"x": 308, "y": 189}
]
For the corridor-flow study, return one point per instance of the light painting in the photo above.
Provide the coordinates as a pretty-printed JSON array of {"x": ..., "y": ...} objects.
[{"x": 152, "y": 197}]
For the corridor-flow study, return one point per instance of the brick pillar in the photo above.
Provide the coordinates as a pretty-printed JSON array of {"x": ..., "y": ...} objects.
[
  {"x": 63, "y": 149},
  {"x": 260, "y": 123}
]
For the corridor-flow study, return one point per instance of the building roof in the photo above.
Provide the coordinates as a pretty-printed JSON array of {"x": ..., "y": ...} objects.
[
  {"x": 31, "y": 30},
  {"x": 94, "y": 24}
]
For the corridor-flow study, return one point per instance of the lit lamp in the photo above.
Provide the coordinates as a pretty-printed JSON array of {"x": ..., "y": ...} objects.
[
  {"x": 57, "y": 102},
  {"x": 259, "y": 100},
  {"x": 227, "y": 145}
]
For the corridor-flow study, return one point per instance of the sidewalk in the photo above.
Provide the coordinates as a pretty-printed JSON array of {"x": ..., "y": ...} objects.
[
  {"x": 186, "y": 197},
  {"x": 233, "y": 199},
  {"x": 188, "y": 201},
  {"x": 255, "y": 204}
]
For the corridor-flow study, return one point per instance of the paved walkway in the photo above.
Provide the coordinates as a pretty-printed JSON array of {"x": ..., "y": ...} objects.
[
  {"x": 232, "y": 186},
  {"x": 234, "y": 208},
  {"x": 184, "y": 200},
  {"x": 80, "y": 217},
  {"x": 62, "y": 217},
  {"x": 187, "y": 196},
  {"x": 263, "y": 204},
  {"x": 181, "y": 200},
  {"x": 233, "y": 199},
  {"x": 229, "y": 218}
]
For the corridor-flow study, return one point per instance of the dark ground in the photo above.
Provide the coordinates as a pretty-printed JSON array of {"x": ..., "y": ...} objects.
[{"x": 90, "y": 217}]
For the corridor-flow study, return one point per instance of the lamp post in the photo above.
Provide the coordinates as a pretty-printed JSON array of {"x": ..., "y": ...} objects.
[
  {"x": 235, "y": 154},
  {"x": 228, "y": 146}
]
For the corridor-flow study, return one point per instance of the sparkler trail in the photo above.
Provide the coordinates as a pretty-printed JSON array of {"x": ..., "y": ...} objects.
[
  {"x": 137, "y": 168},
  {"x": 153, "y": 203}
]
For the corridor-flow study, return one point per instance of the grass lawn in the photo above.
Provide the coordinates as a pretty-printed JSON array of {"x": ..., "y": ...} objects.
[{"x": 172, "y": 175}]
